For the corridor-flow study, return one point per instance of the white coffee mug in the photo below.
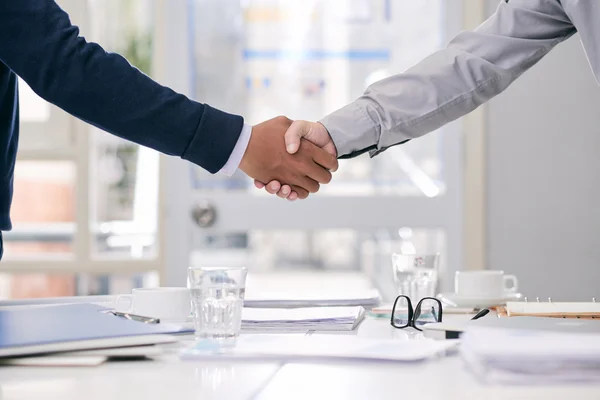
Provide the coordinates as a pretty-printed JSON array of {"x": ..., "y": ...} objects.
[
  {"x": 166, "y": 303},
  {"x": 484, "y": 284}
]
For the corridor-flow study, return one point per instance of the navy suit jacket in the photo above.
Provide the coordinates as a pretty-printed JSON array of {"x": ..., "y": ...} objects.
[{"x": 39, "y": 44}]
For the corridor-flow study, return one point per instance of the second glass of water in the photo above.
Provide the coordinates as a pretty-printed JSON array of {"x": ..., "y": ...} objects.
[
  {"x": 416, "y": 275},
  {"x": 217, "y": 301}
]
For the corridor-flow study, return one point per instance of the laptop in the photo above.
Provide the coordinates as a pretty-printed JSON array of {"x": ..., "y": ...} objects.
[{"x": 26, "y": 331}]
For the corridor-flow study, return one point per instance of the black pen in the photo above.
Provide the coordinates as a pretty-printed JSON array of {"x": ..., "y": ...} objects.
[{"x": 481, "y": 313}]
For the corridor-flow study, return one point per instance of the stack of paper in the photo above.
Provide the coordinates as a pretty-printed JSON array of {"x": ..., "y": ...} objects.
[
  {"x": 526, "y": 356},
  {"x": 368, "y": 298},
  {"x": 302, "y": 319}
]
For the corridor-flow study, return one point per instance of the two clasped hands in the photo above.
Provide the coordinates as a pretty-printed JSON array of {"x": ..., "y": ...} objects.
[{"x": 290, "y": 158}]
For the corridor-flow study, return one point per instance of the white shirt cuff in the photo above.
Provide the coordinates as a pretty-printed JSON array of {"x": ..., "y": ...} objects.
[{"x": 238, "y": 151}]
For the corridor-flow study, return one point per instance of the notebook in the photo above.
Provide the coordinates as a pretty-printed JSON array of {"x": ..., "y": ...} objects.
[
  {"x": 60, "y": 328},
  {"x": 581, "y": 310},
  {"x": 302, "y": 319}
]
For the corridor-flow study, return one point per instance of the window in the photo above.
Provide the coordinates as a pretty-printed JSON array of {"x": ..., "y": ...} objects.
[
  {"x": 258, "y": 58},
  {"x": 85, "y": 209},
  {"x": 43, "y": 211},
  {"x": 304, "y": 60}
]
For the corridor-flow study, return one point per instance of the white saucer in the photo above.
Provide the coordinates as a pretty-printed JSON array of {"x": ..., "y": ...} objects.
[{"x": 456, "y": 300}]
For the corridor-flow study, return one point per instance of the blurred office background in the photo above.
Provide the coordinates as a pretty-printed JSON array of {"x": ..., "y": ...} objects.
[{"x": 511, "y": 187}]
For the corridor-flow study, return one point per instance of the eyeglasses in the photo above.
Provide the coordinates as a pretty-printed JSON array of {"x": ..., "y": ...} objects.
[{"x": 428, "y": 310}]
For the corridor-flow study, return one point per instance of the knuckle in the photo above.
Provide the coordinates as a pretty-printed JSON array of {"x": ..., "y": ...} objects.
[
  {"x": 282, "y": 119},
  {"x": 334, "y": 161},
  {"x": 295, "y": 178},
  {"x": 301, "y": 193},
  {"x": 305, "y": 146}
]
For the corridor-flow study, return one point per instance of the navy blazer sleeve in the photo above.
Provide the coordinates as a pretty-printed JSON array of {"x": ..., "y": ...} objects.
[{"x": 39, "y": 43}]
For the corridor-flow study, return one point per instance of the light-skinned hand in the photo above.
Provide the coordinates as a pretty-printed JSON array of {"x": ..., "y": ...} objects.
[{"x": 314, "y": 132}]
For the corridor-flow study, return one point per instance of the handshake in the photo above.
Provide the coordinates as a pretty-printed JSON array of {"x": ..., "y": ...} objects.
[{"x": 289, "y": 158}]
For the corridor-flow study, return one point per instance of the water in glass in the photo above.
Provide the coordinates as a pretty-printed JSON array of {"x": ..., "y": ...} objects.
[
  {"x": 217, "y": 311},
  {"x": 217, "y": 302}
]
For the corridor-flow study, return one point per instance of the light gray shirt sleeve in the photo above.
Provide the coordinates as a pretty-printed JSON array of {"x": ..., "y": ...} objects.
[{"x": 473, "y": 68}]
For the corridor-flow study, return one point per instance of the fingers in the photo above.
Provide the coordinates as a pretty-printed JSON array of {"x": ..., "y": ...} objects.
[
  {"x": 317, "y": 173},
  {"x": 314, "y": 132},
  {"x": 309, "y": 184},
  {"x": 295, "y": 132},
  {"x": 284, "y": 192},
  {"x": 302, "y": 193},
  {"x": 311, "y": 169},
  {"x": 273, "y": 187},
  {"x": 293, "y": 196},
  {"x": 326, "y": 160}
]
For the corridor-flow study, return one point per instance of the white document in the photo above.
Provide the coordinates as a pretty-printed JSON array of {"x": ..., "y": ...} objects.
[
  {"x": 288, "y": 348},
  {"x": 302, "y": 319},
  {"x": 500, "y": 355}
]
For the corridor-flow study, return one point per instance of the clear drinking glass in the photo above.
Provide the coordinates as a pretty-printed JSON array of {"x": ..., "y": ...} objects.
[
  {"x": 217, "y": 301},
  {"x": 416, "y": 275}
]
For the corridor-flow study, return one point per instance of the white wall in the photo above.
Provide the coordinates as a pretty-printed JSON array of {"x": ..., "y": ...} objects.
[{"x": 543, "y": 188}]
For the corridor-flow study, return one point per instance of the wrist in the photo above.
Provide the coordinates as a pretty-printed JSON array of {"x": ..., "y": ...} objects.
[
  {"x": 323, "y": 131},
  {"x": 233, "y": 163},
  {"x": 243, "y": 166}
]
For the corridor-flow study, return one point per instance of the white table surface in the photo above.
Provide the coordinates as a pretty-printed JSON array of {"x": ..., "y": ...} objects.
[{"x": 167, "y": 377}]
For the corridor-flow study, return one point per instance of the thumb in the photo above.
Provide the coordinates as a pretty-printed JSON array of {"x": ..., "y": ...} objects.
[{"x": 295, "y": 132}]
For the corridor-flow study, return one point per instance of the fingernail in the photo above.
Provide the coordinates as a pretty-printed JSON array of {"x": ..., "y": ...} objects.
[
  {"x": 285, "y": 191},
  {"x": 291, "y": 148},
  {"x": 273, "y": 186}
]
